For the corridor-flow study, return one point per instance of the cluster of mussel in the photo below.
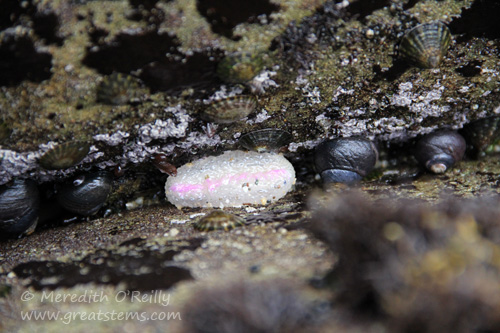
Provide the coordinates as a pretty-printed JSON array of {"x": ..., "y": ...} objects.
[{"x": 22, "y": 205}]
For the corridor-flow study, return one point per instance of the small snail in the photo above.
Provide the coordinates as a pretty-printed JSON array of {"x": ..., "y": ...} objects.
[
  {"x": 440, "y": 150},
  {"x": 345, "y": 160},
  {"x": 19, "y": 206},
  {"x": 426, "y": 44},
  {"x": 86, "y": 194}
]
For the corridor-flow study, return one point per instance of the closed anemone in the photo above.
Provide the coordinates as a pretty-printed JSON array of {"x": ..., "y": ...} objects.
[
  {"x": 219, "y": 220},
  {"x": 65, "y": 155},
  {"x": 265, "y": 140},
  {"x": 426, "y": 44},
  {"x": 230, "y": 109}
]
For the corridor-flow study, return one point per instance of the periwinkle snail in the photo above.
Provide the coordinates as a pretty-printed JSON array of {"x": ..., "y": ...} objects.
[
  {"x": 345, "y": 160},
  {"x": 19, "y": 205},
  {"x": 440, "y": 150},
  {"x": 86, "y": 194}
]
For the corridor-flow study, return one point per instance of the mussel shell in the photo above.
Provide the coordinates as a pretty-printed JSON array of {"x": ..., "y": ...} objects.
[
  {"x": 230, "y": 109},
  {"x": 357, "y": 155},
  {"x": 440, "y": 150},
  {"x": 19, "y": 206},
  {"x": 265, "y": 140},
  {"x": 426, "y": 44},
  {"x": 218, "y": 220},
  {"x": 65, "y": 155},
  {"x": 482, "y": 133},
  {"x": 86, "y": 194}
]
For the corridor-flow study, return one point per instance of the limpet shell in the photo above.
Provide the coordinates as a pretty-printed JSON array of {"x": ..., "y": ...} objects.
[
  {"x": 265, "y": 140},
  {"x": 218, "y": 220},
  {"x": 64, "y": 155},
  {"x": 426, "y": 44},
  {"x": 116, "y": 89},
  {"x": 240, "y": 67},
  {"x": 230, "y": 109}
]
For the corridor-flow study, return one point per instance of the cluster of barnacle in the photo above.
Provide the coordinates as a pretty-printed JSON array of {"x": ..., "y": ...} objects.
[{"x": 413, "y": 266}]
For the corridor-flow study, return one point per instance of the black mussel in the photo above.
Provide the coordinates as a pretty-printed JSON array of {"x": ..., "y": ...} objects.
[
  {"x": 85, "y": 194},
  {"x": 19, "y": 206},
  {"x": 265, "y": 140},
  {"x": 426, "y": 44},
  {"x": 219, "y": 220},
  {"x": 345, "y": 160},
  {"x": 65, "y": 155},
  {"x": 230, "y": 109},
  {"x": 482, "y": 133},
  {"x": 440, "y": 150}
]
